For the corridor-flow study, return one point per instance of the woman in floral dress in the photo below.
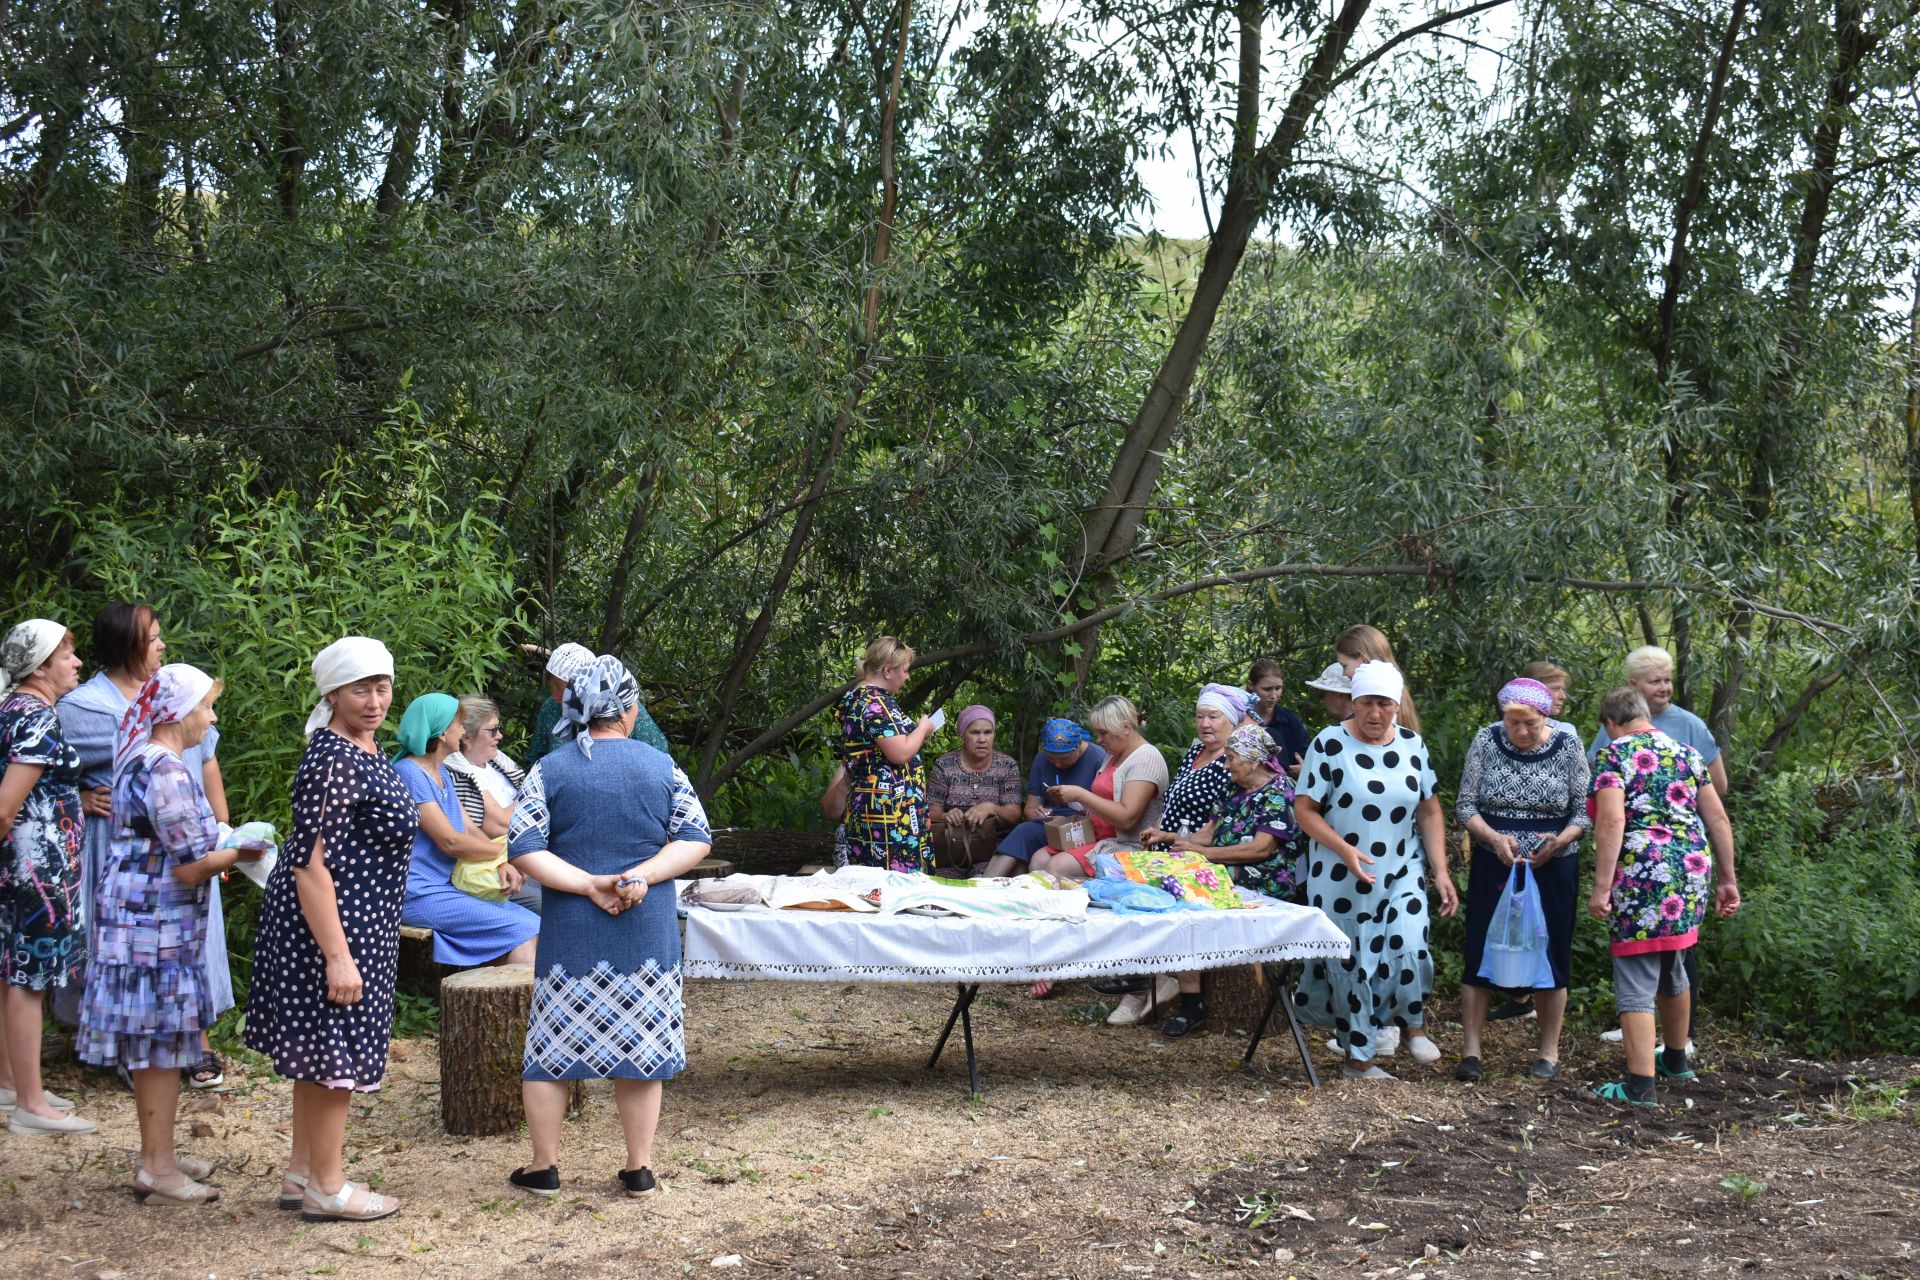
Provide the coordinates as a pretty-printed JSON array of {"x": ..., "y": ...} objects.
[
  {"x": 886, "y": 821},
  {"x": 1255, "y": 835},
  {"x": 42, "y": 915},
  {"x": 1655, "y": 812}
]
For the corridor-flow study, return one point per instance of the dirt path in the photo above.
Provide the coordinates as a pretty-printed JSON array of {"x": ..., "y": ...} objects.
[{"x": 807, "y": 1141}]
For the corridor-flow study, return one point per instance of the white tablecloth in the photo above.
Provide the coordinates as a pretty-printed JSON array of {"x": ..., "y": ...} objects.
[{"x": 832, "y": 946}]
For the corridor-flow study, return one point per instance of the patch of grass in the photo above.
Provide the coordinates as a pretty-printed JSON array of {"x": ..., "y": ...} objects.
[
  {"x": 1880, "y": 1100},
  {"x": 1088, "y": 1015},
  {"x": 415, "y": 1017},
  {"x": 1745, "y": 1189}
]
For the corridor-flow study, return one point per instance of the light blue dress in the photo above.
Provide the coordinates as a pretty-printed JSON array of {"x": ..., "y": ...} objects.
[
  {"x": 90, "y": 722},
  {"x": 606, "y": 996},
  {"x": 1368, "y": 794},
  {"x": 467, "y": 931}
]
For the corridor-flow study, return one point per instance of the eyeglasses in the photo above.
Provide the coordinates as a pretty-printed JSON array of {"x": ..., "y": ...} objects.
[{"x": 495, "y": 730}]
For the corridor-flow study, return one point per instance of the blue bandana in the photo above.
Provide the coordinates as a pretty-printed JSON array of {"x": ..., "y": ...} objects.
[{"x": 1062, "y": 735}]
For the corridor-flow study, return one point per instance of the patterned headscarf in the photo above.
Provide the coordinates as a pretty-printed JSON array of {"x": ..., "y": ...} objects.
[
  {"x": 569, "y": 660},
  {"x": 1061, "y": 735},
  {"x": 1525, "y": 693},
  {"x": 1253, "y": 742},
  {"x": 1224, "y": 698},
  {"x": 169, "y": 695},
  {"x": 26, "y": 649},
  {"x": 604, "y": 690},
  {"x": 427, "y": 718},
  {"x": 345, "y": 661}
]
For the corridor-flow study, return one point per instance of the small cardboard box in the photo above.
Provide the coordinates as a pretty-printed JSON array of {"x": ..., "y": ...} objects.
[{"x": 1070, "y": 832}]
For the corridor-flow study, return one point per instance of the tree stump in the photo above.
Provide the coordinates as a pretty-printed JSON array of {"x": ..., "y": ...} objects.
[
  {"x": 483, "y": 1040},
  {"x": 420, "y": 973},
  {"x": 1236, "y": 997},
  {"x": 708, "y": 869}
]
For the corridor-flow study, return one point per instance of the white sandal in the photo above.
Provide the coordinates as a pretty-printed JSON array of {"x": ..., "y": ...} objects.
[
  {"x": 193, "y": 1166},
  {"x": 185, "y": 1192},
  {"x": 319, "y": 1207},
  {"x": 298, "y": 1181}
]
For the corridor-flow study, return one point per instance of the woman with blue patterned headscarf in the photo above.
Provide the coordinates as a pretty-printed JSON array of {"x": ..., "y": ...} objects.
[
  {"x": 1067, "y": 758},
  {"x": 605, "y": 824},
  {"x": 467, "y": 930}
]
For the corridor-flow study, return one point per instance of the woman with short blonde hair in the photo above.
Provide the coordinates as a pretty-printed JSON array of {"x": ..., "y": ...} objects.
[{"x": 886, "y": 821}]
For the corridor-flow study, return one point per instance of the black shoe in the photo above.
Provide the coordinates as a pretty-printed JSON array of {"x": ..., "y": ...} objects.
[
  {"x": 1469, "y": 1071},
  {"x": 1182, "y": 1023},
  {"x": 543, "y": 1182},
  {"x": 1544, "y": 1070},
  {"x": 1520, "y": 1008},
  {"x": 1119, "y": 986},
  {"x": 638, "y": 1182}
]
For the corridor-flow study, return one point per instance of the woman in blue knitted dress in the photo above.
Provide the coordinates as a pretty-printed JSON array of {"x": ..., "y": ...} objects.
[{"x": 605, "y": 824}]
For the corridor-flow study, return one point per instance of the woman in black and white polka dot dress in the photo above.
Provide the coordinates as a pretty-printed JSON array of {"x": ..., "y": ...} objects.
[{"x": 327, "y": 951}]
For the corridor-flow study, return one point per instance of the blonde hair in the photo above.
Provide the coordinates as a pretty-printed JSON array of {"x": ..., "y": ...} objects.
[
  {"x": 1646, "y": 660},
  {"x": 1547, "y": 673},
  {"x": 885, "y": 653},
  {"x": 1370, "y": 644},
  {"x": 1112, "y": 715}
]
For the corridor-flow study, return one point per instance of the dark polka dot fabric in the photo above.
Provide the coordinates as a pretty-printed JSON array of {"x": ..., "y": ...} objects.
[
  {"x": 1195, "y": 795},
  {"x": 1368, "y": 793},
  {"x": 357, "y": 806}
]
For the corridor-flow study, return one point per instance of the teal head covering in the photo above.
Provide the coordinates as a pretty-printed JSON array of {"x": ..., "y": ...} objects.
[{"x": 427, "y": 718}]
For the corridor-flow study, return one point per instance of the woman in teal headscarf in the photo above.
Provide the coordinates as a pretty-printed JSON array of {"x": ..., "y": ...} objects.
[{"x": 467, "y": 930}]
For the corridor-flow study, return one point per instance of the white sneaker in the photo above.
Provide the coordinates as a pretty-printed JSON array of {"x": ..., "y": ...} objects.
[
  {"x": 1660, "y": 1046},
  {"x": 1422, "y": 1049},
  {"x": 1370, "y": 1072},
  {"x": 9, "y": 1099},
  {"x": 1386, "y": 1042},
  {"x": 1614, "y": 1036},
  {"x": 1132, "y": 1008}
]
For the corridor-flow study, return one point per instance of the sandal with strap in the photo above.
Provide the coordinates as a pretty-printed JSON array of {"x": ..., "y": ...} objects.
[
  {"x": 184, "y": 1192},
  {"x": 1180, "y": 1024},
  {"x": 193, "y": 1166},
  {"x": 1614, "y": 1091},
  {"x": 338, "y": 1207},
  {"x": 208, "y": 1073},
  {"x": 290, "y": 1200},
  {"x": 1660, "y": 1069}
]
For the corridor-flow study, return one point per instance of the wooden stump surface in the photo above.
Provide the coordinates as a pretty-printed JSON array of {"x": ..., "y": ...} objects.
[
  {"x": 708, "y": 869},
  {"x": 483, "y": 1038}
]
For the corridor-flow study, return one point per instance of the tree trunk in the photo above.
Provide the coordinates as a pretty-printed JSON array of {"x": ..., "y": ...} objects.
[
  {"x": 483, "y": 1040},
  {"x": 1913, "y": 414}
]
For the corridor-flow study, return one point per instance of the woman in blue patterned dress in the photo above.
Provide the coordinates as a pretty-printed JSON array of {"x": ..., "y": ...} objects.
[
  {"x": 149, "y": 998},
  {"x": 605, "y": 825},
  {"x": 467, "y": 931},
  {"x": 886, "y": 820},
  {"x": 1255, "y": 835},
  {"x": 1366, "y": 801},
  {"x": 328, "y": 945},
  {"x": 42, "y": 921}
]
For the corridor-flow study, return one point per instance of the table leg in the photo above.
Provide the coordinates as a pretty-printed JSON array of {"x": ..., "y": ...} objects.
[
  {"x": 1283, "y": 992},
  {"x": 961, "y": 1003}
]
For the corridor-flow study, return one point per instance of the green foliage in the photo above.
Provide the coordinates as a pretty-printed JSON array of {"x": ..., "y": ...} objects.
[{"x": 1821, "y": 953}]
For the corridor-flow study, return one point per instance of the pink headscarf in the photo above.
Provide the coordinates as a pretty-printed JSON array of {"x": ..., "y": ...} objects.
[
  {"x": 1525, "y": 693},
  {"x": 971, "y": 713},
  {"x": 170, "y": 694}
]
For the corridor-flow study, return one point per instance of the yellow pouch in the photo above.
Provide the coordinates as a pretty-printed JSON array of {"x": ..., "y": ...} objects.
[{"x": 482, "y": 879}]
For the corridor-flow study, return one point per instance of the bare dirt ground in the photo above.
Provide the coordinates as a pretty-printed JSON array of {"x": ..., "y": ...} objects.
[{"x": 807, "y": 1140}]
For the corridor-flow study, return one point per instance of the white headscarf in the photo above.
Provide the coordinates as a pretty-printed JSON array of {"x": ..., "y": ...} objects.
[
  {"x": 26, "y": 649},
  {"x": 170, "y": 694},
  {"x": 340, "y": 664},
  {"x": 1379, "y": 680},
  {"x": 568, "y": 661}
]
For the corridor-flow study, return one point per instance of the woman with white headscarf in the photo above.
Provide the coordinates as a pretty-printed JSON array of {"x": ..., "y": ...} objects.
[
  {"x": 605, "y": 824},
  {"x": 328, "y": 944},
  {"x": 42, "y": 913},
  {"x": 1366, "y": 799},
  {"x": 149, "y": 998}
]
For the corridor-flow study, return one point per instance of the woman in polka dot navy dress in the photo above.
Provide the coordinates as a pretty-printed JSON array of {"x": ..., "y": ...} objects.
[
  {"x": 1366, "y": 800},
  {"x": 321, "y": 1001}
]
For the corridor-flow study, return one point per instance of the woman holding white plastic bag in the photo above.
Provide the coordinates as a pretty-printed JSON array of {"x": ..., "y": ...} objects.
[{"x": 1522, "y": 797}]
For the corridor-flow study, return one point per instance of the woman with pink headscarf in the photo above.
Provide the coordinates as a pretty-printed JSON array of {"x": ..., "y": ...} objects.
[
  {"x": 1522, "y": 799},
  {"x": 973, "y": 794}
]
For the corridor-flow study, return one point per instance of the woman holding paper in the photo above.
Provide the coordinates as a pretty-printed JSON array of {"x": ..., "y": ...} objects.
[{"x": 886, "y": 821}]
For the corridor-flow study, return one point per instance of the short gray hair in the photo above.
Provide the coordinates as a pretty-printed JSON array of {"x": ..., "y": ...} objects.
[
  {"x": 1623, "y": 706},
  {"x": 1112, "y": 715},
  {"x": 1646, "y": 660},
  {"x": 474, "y": 712}
]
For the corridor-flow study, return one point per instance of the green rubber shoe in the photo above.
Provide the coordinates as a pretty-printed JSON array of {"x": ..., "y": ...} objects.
[{"x": 1614, "y": 1091}]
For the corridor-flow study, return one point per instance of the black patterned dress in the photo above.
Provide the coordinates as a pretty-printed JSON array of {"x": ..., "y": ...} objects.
[{"x": 354, "y": 802}]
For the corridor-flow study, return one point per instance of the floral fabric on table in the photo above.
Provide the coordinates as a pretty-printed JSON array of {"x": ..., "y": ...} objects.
[{"x": 1660, "y": 885}]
